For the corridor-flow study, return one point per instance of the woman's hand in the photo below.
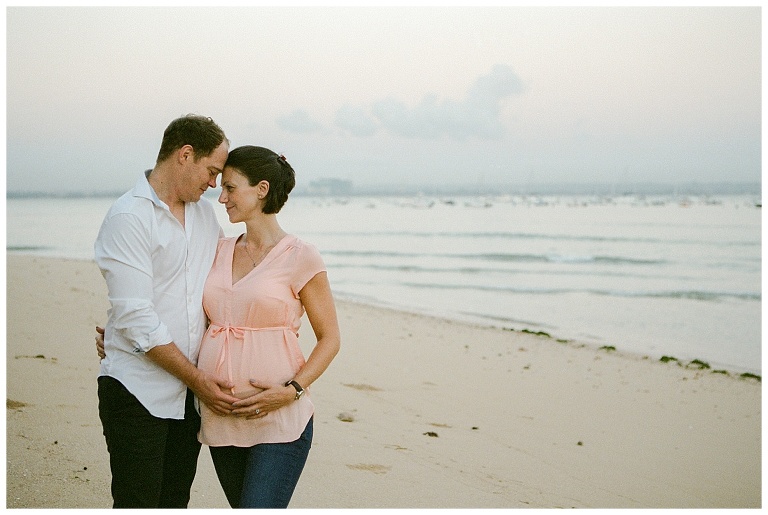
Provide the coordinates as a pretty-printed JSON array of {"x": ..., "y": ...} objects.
[{"x": 271, "y": 398}]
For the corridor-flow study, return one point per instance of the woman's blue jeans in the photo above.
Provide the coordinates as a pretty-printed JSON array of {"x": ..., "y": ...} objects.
[{"x": 262, "y": 476}]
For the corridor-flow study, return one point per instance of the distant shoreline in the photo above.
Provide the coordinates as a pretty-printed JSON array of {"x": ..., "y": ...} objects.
[{"x": 650, "y": 188}]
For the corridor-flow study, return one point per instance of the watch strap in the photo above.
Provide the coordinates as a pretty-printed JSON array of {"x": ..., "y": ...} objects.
[{"x": 297, "y": 386}]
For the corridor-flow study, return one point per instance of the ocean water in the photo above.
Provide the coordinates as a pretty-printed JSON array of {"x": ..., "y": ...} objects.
[{"x": 652, "y": 276}]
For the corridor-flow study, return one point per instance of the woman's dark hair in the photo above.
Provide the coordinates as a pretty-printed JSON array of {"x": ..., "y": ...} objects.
[
  {"x": 200, "y": 132},
  {"x": 261, "y": 164}
]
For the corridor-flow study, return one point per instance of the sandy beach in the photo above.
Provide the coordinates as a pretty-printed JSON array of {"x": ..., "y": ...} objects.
[{"x": 415, "y": 412}]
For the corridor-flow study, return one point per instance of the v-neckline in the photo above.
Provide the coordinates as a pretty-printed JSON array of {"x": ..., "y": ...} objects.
[{"x": 258, "y": 265}]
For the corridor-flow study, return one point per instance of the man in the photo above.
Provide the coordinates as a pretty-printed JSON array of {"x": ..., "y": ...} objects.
[{"x": 155, "y": 248}]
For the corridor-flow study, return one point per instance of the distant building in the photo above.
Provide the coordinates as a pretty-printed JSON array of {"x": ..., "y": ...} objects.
[{"x": 330, "y": 187}]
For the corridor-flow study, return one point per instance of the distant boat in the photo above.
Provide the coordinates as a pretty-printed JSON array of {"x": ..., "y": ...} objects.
[
  {"x": 418, "y": 203},
  {"x": 482, "y": 203}
]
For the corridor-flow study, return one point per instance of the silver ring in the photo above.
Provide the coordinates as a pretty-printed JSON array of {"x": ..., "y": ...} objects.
[{"x": 258, "y": 411}]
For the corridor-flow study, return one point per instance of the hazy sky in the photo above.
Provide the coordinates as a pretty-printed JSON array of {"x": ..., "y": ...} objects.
[{"x": 391, "y": 96}]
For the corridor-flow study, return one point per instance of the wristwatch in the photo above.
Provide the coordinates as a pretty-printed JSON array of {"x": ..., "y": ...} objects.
[{"x": 299, "y": 389}]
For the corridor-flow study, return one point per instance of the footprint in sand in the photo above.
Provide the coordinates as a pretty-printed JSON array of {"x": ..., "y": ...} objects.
[
  {"x": 346, "y": 416},
  {"x": 38, "y": 356},
  {"x": 363, "y": 387},
  {"x": 11, "y": 404},
  {"x": 376, "y": 469}
]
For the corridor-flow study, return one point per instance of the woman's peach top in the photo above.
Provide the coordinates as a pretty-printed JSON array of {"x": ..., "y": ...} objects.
[{"x": 253, "y": 334}]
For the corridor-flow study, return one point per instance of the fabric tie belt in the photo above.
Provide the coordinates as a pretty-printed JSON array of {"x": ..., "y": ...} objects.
[{"x": 237, "y": 332}]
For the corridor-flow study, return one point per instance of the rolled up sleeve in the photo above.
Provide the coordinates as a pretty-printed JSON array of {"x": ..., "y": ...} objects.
[{"x": 123, "y": 254}]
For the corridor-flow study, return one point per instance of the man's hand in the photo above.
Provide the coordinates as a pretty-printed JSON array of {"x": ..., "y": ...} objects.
[
  {"x": 209, "y": 389},
  {"x": 214, "y": 393},
  {"x": 100, "y": 343}
]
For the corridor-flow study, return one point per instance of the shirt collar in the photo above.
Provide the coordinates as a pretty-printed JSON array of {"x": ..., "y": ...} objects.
[{"x": 145, "y": 190}]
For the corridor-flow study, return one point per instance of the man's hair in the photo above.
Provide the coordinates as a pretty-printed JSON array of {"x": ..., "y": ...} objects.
[{"x": 200, "y": 132}]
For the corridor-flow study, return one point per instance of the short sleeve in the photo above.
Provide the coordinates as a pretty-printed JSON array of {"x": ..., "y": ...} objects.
[{"x": 308, "y": 264}]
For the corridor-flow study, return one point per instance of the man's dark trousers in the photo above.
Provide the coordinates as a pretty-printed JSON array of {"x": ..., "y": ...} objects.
[{"x": 153, "y": 460}]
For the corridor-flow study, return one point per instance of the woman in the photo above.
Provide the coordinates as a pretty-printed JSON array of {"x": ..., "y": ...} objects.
[{"x": 260, "y": 285}]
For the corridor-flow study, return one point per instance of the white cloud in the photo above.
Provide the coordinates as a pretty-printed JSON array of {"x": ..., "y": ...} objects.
[
  {"x": 355, "y": 121},
  {"x": 475, "y": 116},
  {"x": 299, "y": 121}
]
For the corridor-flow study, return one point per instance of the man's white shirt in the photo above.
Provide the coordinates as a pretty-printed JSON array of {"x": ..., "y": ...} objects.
[{"x": 155, "y": 270}]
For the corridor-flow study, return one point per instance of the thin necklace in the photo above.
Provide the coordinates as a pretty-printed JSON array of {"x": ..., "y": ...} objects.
[
  {"x": 263, "y": 253},
  {"x": 249, "y": 255}
]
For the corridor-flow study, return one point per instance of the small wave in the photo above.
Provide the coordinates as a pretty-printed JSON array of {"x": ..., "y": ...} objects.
[
  {"x": 26, "y": 248},
  {"x": 502, "y": 257},
  {"x": 707, "y": 296},
  {"x": 425, "y": 269},
  {"x": 505, "y": 271},
  {"x": 692, "y": 295},
  {"x": 534, "y": 236},
  {"x": 557, "y": 258},
  {"x": 370, "y": 253}
]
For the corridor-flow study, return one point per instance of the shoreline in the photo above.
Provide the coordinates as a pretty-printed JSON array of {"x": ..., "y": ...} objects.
[
  {"x": 415, "y": 412},
  {"x": 698, "y": 362}
]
